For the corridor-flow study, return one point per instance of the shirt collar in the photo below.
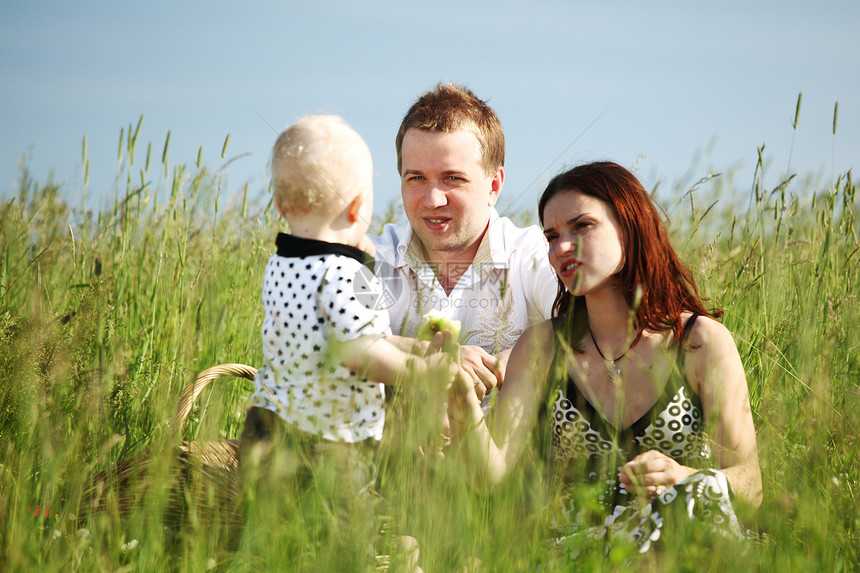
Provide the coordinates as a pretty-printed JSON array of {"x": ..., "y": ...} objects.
[
  {"x": 298, "y": 247},
  {"x": 497, "y": 243}
]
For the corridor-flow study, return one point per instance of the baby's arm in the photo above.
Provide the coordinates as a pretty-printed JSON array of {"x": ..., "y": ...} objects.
[
  {"x": 359, "y": 335},
  {"x": 409, "y": 345},
  {"x": 485, "y": 370},
  {"x": 377, "y": 359}
]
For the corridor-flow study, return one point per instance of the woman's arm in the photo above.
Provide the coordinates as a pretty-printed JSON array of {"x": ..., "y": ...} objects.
[
  {"x": 715, "y": 372},
  {"x": 492, "y": 450},
  {"x": 716, "y": 366}
]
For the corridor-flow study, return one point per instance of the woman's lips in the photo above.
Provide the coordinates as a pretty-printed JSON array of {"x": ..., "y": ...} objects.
[{"x": 569, "y": 267}]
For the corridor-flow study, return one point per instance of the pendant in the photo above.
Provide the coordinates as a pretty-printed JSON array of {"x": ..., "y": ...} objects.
[{"x": 613, "y": 372}]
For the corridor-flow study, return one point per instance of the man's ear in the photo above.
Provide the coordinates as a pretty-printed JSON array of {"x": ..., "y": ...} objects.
[
  {"x": 496, "y": 185},
  {"x": 354, "y": 208}
]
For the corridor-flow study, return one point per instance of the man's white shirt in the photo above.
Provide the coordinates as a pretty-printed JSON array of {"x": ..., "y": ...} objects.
[{"x": 509, "y": 285}]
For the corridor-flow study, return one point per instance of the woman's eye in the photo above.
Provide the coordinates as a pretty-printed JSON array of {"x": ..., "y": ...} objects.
[{"x": 551, "y": 238}]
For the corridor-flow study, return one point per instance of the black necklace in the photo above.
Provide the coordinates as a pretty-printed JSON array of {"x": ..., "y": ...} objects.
[{"x": 613, "y": 371}]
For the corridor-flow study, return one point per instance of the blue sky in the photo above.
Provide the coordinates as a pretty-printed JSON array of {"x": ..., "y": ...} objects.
[{"x": 678, "y": 89}]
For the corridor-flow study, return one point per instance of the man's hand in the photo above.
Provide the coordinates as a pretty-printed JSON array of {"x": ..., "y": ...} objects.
[{"x": 482, "y": 368}]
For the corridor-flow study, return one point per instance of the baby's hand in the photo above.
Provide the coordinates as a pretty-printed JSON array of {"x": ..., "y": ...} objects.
[
  {"x": 436, "y": 321},
  {"x": 444, "y": 341},
  {"x": 443, "y": 358}
]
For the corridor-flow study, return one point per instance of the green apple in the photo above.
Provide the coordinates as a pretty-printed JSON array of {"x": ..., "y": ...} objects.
[{"x": 433, "y": 322}]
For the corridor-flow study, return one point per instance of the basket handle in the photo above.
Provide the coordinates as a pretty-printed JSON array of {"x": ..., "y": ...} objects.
[{"x": 192, "y": 390}]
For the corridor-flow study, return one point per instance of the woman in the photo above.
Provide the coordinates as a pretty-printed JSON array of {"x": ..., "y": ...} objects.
[{"x": 641, "y": 390}]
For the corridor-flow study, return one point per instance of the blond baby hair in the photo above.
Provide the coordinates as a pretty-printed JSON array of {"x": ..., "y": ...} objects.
[{"x": 319, "y": 164}]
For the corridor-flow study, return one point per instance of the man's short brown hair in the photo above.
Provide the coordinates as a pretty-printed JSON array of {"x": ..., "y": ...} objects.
[{"x": 452, "y": 107}]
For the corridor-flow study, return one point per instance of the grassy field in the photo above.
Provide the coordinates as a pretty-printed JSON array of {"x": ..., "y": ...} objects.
[{"x": 105, "y": 314}]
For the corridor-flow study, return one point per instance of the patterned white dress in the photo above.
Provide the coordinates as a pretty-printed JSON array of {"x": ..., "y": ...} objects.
[{"x": 588, "y": 449}]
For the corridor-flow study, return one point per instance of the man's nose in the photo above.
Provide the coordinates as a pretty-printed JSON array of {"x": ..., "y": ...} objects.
[{"x": 434, "y": 197}]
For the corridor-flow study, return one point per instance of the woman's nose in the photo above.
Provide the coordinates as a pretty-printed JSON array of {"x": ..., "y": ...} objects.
[{"x": 563, "y": 246}]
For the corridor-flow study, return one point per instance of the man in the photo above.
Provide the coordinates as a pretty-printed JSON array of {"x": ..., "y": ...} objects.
[{"x": 457, "y": 255}]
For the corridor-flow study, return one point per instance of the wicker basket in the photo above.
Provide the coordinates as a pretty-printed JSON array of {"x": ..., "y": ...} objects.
[{"x": 206, "y": 472}]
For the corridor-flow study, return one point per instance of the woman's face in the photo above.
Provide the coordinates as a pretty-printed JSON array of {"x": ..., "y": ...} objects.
[{"x": 570, "y": 217}]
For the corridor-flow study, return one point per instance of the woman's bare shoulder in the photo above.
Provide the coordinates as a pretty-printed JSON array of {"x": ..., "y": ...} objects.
[
  {"x": 712, "y": 356},
  {"x": 708, "y": 333},
  {"x": 537, "y": 339}
]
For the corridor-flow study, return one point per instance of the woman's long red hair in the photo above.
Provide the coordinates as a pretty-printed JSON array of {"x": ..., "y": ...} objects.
[{"x": 668, "y": 288}]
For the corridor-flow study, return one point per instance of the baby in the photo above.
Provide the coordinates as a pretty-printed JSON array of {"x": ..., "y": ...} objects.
[
  {"x": 319, "y": 398},
  {"x": 312, "y": 378}
]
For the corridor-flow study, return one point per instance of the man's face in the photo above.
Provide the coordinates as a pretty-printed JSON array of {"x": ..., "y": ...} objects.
[{"x": 446, "y": 193}]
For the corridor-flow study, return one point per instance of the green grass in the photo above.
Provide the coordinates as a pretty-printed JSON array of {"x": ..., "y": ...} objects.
[{"x": 106, "y": 314}]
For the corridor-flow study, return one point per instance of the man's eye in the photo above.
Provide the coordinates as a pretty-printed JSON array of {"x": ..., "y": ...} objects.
[{"x": 415, "y": 178}]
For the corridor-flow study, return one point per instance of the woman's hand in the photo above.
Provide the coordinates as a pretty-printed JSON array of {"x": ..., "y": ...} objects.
[{"x": 652, "y": 473}]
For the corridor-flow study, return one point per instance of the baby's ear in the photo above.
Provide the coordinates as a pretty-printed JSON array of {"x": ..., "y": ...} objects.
[
  {"x": 355, "y": 207},
  {"x": 278, "y": 207}
]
